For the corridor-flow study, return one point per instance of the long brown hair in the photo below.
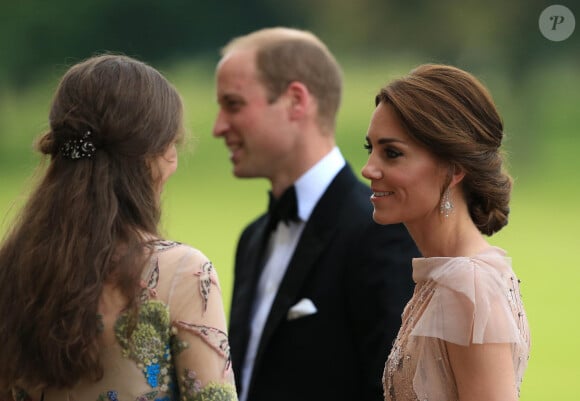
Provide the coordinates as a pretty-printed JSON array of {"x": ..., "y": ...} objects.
[
  {"x": 86, "y": 222},
  {"x": 453, "y": 115}
]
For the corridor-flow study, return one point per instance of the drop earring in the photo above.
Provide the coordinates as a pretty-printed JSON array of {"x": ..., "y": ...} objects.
[{"x": 446, "y": 206}]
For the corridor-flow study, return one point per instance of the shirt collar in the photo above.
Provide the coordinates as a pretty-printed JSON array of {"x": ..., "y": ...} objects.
[{"x": 312, "y": 184}]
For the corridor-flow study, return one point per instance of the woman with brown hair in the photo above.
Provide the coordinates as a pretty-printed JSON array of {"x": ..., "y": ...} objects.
[
  {"x": 435, "y": 165},
  {"x": 95, "y": 305}
]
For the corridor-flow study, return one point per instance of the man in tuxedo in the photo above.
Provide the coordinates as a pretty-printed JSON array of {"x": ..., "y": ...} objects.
[{"x": 319, "y": 288}]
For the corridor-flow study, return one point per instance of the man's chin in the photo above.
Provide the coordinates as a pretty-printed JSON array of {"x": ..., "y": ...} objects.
[{"x": 241, "y": 173}]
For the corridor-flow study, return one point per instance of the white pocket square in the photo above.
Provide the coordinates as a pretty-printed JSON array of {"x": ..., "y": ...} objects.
[{"x": 304, "y": 307}]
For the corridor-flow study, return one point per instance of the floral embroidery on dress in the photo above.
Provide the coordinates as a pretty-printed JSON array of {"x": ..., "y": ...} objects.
[
  {"x": 206, "y": 279},
  {"x": 150, "y": 287},
  {"x": 191, "y": 389},
  {"x": 177, "y": 345},
  {"x": 154, "y": 345},
  {"x": 215, "y": 338},
  {"x": 151, "y": 396},
  {"x": 163, "y": 245},
  {"x": 110, "y": 395},
  {"x": 149, "y": 343}
]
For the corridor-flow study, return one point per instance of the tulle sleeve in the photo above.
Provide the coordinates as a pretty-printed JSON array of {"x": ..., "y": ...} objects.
[
  {"x": 201, "y": 349},
  {"x": 473, "y": 302}
]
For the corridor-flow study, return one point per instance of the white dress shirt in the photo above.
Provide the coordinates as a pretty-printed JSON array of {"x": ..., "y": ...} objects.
[{"x": 309, "y": 189}]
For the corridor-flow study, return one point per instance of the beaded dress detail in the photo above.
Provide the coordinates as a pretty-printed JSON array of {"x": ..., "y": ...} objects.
[{"x": 461, "y": 300}]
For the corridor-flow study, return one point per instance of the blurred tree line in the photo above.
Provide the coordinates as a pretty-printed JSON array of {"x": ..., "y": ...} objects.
[{"x": 37, "y": 35}]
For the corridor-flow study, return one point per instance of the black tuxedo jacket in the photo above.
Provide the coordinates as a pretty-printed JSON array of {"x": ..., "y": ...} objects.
[{"x": 358, "y": 275}]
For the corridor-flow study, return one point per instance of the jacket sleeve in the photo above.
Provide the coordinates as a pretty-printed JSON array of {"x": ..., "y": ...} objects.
[{"x": 380, "y": 285}]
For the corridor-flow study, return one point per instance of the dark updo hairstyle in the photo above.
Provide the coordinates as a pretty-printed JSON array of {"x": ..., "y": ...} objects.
[
  {"x": 89, "y": 221},
  {"x": 453, "y": 115}
]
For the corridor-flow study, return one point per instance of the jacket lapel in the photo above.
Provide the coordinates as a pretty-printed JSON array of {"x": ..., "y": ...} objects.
[
  {"x": 317, "y": 233},
  {"x": 243, "y": 296}
]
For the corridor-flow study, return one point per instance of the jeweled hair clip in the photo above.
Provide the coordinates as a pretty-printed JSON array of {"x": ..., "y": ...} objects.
[{"x": 75, "y": 149}]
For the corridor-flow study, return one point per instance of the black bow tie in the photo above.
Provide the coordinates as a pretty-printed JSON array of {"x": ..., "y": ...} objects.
[{"x": 284, "y": 209}]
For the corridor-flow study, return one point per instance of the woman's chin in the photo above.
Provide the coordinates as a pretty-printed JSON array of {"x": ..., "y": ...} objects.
[{"x": 381, "y": 219}]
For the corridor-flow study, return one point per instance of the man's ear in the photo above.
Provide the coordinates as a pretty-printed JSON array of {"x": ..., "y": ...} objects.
[{"x": 299, "y": 100}]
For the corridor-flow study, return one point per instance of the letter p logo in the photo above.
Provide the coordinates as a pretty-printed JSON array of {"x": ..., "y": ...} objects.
[
  {"x": 557, "y": 23},
  {"x": 557, "y": 19}
]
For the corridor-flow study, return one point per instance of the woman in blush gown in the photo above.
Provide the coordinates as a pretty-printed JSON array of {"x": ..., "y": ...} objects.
[{"x": 435, "y": 164}]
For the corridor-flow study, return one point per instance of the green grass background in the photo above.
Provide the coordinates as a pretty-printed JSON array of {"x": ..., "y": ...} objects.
[{"x": 205, "y": 206}]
